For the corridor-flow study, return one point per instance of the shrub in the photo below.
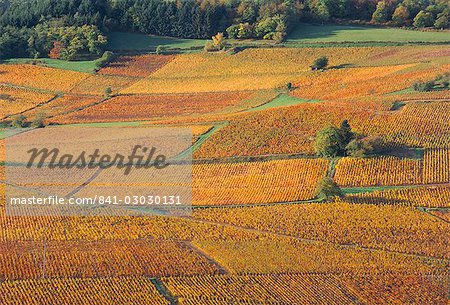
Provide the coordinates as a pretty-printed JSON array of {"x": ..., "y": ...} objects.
[
  {"x": 106, "y": 58},
  {"x": 328, "y": 189},
  {"x": 108, "y": 92},
  {"x": 160, "y": 50},
  {"x": 19, "y": 121},
  {"x": 424, "y": 87},
  {"x": 38, "y": 121},
  {"x": 364, "y": 147},
  {"x": 320, "y": 63}
]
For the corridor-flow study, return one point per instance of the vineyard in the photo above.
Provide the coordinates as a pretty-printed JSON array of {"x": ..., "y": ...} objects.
[
  {"x": 368, "y": 225},
  {"x": 15, "y": 100},
  {"x": 147, "y": 107},
  {"x": 271, "y": 220},
  {"x": 136, "y": 66},
  {"x": 40, "y": 77}
]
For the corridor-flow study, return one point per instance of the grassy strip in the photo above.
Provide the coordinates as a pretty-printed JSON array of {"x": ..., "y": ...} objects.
[
  {"x": 200, "y": 141},
  {"x": 371, "y": 189},
  {"x": 119, "y": 41},
  {"x": 78, "y": 66},
  {"x": 9, "y": 132},
  {"x": 283, "y": 100},
  {"x": 331, "y": 33}
]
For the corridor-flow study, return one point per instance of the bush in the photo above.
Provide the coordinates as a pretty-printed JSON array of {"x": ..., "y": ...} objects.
[
  {"x": 364, "y": 147},
  {"x": 19, "y": 121},
  {"x": 108, "y": 92},
  {"x": 209, "y": 47},
  {"x": 38, "y": 121},
  {"x": 160, "y": 50},
  {"x": 328, "y": 189},
  {"x": 320, "y": 63},
  {"x": 106, "y": 58},
  {"x": 424, "y": 87}
]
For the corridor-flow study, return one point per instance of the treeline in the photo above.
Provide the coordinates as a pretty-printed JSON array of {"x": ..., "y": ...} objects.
[
  {"x": 22, "y": 22},
  {"x": 417, "y": 13},
  {"x": 51, "y": 39}
]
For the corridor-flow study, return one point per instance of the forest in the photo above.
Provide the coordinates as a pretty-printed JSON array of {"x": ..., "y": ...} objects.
[{"x": 30, "y": 28}]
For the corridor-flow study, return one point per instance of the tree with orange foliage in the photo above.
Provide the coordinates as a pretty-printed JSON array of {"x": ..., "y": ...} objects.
[{"x": 55, "y": 52}]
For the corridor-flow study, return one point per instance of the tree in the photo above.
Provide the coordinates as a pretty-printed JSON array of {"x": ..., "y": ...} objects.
[
  {"x": 328, "y": 189},
  {"x": 381, "y": 14},
  {"x": 320, "y": 63},
  {"x": 233, "y": 31},
  {"x": 320, "y": 11},
  {"x": 423, "y": 19},
  {"x": 108, "y": 92},
  {"x": 55, "y": 52},
  {"x": 424, "y": 87},
  {"x": 360, "y": 148},
  {"x": 106, "y": 58},
  {"x": 442, "y": 20},
  {"x": 271, "y": 28},
  {"x": 245, "y": 31},
  {"x": 218, "y": 41},
  {"x": 329, "y": 143},
  {"x": 160, "y": 49},
  {"x": 19, "y": 121},
  {"x": 346, "y": 132},
  {"x": 38, "y": 121},
  {"x": 401, "y": 15}
]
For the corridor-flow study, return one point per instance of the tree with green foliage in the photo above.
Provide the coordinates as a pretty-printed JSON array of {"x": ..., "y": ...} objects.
[
  {"x": 346, "y": 132},
  {"x": 320, "y": 11},
  {"x": 38, "y": 121},
  {"x": 382, "y": 13},
  {"x": 424, "y": 87},
  {"x": 106, "y": 58},
  {"x": 108, "y": 92},
  {"x": 19, "y": 121},
  {"x": 442, "y": 20},
  {"x": 320, "y": 63},
  {"x": 272, "y": 28},
  {"x": 360, "y": 148},
  {"x": 401, "y": 15},
  {"x": 328, "y": 189},
  {"x": 423, "y": 19},
  {"x": 329, "y": 143},
  {"x": 160, "y": 50}
]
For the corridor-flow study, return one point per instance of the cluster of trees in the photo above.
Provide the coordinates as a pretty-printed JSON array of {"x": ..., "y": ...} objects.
[
  {"x": 441, "y": 82},
  {"x": 332, "y": 142},
  {"x": 53, "y": 39},
  {"x": 22, "y": 20},
  {"x": 419, "y": 13},
  {"x": 264, "y": 19},
  {"x": 20, "y": 121}
]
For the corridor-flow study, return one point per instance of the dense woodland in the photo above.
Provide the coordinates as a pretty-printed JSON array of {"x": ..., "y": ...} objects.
[{"x": 33, "y": 28}]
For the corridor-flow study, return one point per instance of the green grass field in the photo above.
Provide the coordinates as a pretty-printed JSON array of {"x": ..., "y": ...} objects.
[
  {"x": 118, "y": 41},
  {"x": 306, "y": 33},
  {"x": 283, "y": 100},
  {"x": 79, "y": 66}
]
